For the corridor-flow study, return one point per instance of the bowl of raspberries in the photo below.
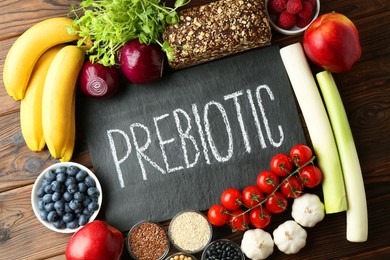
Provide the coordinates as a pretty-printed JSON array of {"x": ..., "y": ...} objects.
[
  {"x": 66, "y": 196},
  {"x": 292, "y": 17}
]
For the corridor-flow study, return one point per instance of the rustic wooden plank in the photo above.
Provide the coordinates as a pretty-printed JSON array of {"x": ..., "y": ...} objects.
[
  {"x": 20, "y": 227},
  {"x": 20, "y": 166},
  {"x": 18, "y": 15}
]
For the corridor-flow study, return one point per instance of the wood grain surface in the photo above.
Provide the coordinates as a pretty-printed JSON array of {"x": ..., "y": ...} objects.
[{"x": 365, "y": 91}]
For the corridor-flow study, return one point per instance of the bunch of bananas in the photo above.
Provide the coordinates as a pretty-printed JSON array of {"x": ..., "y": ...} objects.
[{"x": 41, "y": 70}]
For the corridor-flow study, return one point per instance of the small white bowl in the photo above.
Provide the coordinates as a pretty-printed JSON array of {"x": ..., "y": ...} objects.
[
  {"x": 295, "y": 30},
  {"x": 38, "y": 183}
]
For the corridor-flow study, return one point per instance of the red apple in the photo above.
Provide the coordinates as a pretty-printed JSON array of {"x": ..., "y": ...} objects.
[
  {"x": 332, "y": 42},
  {"x": 97, "y": 240}
]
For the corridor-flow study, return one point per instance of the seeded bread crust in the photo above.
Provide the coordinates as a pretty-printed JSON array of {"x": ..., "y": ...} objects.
[{"x": 217, "y": 29}]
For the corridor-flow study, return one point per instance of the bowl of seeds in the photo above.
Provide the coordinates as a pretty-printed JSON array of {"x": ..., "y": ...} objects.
[
  {"x": 147, "y": 240},
  {"x": 180, "y": 256},
  {"x": 190, "y": 231}
]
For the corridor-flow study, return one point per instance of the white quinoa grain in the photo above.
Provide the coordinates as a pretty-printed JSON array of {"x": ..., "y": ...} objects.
[{"x": 190, "y": 231}]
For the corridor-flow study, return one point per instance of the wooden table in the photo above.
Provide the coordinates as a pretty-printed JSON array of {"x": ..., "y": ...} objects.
[{"x": 365, "y": 91}]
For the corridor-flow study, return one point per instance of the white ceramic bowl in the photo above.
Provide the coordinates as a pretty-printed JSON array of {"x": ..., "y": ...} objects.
[
  {"x": 38, "y": 183},
  {"x": 295, "y": 30}
]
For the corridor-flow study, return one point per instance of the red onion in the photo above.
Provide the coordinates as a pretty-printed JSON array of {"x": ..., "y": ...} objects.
[
  {"x": 98, "y": 81},
  {"x": 141, "y": 63}
]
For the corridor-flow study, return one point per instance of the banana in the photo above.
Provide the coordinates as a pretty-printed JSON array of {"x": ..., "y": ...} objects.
[
  {"x": 27, "y": 49},
  {"x": 31, "y": 105},
  {"x": 72, "y": 134},
  {"x": 57, "y": 99}
]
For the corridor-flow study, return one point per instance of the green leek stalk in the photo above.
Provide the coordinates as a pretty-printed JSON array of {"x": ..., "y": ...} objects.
[
  {"x": 357, "y": 219},
  {"x": 318, "y": 125}
]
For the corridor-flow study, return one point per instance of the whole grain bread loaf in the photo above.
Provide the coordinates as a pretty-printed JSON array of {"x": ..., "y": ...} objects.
[{"x": 217, "y": 29}]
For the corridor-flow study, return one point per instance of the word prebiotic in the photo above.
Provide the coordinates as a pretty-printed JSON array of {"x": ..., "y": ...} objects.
[{"x": 194, "y": 135}]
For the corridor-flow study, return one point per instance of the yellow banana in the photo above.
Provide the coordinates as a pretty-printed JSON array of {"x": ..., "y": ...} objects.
[
  {"x": 60, "y": 85},
  {"x": 27, "y": 49},
  {"x": 31, "y": 105},
  {"x": 72, "y": 133}
]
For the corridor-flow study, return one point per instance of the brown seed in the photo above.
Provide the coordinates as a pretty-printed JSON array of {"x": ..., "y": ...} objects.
[{"x": 148, "y": 241}]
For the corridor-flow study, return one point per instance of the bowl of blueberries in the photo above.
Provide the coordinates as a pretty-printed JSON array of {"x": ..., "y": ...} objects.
[{"x": 66, "y": 196}]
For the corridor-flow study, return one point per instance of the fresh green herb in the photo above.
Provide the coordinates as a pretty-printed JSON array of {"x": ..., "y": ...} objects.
[{"x": 107, "y": 25}]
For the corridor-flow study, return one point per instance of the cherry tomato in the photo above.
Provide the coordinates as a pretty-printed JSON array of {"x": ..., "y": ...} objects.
[
  {"x": 252, "y": 196},
  {"x": 301, "y": 154},
  {"x": 311, "y": 176},
  {"x": 281, "y": 164},
  {"x": 231, "y": 199},
  {"x": 260, "y": 217},
  {"x": 218, "y": 215},
  {"x": 292, "y": 188},
  {"x": 239, "y": 220},
  {"x": 277, "y": 203},
  {"x": 267, "y": 181}
]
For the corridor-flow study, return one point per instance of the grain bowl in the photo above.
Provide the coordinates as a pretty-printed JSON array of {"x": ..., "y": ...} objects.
[{"x": 190, "y": 231}]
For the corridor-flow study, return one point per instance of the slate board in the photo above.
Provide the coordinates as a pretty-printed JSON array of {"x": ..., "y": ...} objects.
[{"x": 178, "y": 143}]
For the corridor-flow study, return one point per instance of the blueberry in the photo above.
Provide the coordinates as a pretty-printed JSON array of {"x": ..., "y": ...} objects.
[
  {"x": 73, "y": 224},
  {"x": 61, "y": 177},
  {"x": 80, "y": 176},
  {"x": 52, "y": 216},
  {"x": 56, "y": 196},
  {"x": 67, "y": 196},
  {"x": 86, "y": 201},
  {"x": 47, "y": 189},
  {"x": 56, "y": 186},
  {"x": 68, "y": 217},
  {"x": 89, "y": 181},
  {"x": 72, "y": 188},
  {"x": 59, "y": 206},
  {"x": 93, "y": 192},
  {"x": 49, "y": 207},
  {"x": 68, "y": 209},
  {"x": 70, "y": 180},
  {"x": 50, "y": 176},
  {"x": 43, "y": 214},
  {"x": 59, "y": 224},
  {"x": 78, "y": 211},
  {"x": 82, "y": 187},
  {"x": 41, "y": 204},
  {"x": 87, "y": 213},
  {"x": 60, "y": 213},
  {"x": 72, "y": 170},
  {"x": 93, "y": 206},
  {"x": 75, "y": 204},
  {"x": 79, "y": 196},
  {"x": 83, "y": 220},
  {"x": 45, "y": 183},
  {"x": 60, "y": 170},
  {"x": 47, "y": 198},
  {"x": 40, "y": 192}
]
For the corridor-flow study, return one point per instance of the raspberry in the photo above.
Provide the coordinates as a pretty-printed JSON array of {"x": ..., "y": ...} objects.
[
  {"x": 302, "y": 22},
  {"x": 307, "y": 11},
  {"x": 286, "y": 20},
  {"x": 276, "y": 6},
  {"x": 294, "y": 6},
  {"x": 313, "y": 2}
]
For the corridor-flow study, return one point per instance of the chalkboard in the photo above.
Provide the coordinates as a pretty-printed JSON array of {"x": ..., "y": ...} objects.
[{"x": 178, "y": 143}]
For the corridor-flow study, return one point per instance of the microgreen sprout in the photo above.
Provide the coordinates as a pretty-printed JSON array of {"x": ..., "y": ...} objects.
[{"x": 106, "y": 25}]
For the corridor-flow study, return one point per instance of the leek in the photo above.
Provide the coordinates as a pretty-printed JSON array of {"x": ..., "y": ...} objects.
[
  {"x": 357, "y": 219},
  {"x": 318, "y": 125}
]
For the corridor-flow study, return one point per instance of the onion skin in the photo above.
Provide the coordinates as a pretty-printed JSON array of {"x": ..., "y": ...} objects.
[
  {"x": 98, "y": 81},
  {"x": 140, "y": 63}
]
